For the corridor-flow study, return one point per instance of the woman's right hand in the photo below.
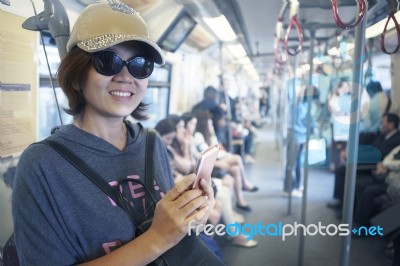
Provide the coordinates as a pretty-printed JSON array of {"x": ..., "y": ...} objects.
[{"x": 175, "y": 210}]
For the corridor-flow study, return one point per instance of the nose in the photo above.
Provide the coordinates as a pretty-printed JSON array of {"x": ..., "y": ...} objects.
[{"x": 124, "y": 75}]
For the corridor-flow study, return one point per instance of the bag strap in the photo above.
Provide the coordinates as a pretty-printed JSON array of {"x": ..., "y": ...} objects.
[
  {"x": 89, "y": 172},
  {"x": 149, "y": 169},
  {"x": 95, "y": 178}
]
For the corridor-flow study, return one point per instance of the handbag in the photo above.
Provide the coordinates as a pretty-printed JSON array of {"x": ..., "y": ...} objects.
[
  {"x": 316, "y": 151},
  {"x": 191, "y": 250}
]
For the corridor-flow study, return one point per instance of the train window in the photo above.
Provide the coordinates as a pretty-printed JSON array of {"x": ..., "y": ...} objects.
[
  {"x": 48, "y": 116},
  {"x": 158, "y": 94}
]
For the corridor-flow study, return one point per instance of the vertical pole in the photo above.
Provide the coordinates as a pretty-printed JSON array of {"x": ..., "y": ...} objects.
[
  {"x": 308, "y": 133},
  {"x": 352, "y": 145},
  {"x": 226, "y": 99},
  {"x": 291, "y": 145}
]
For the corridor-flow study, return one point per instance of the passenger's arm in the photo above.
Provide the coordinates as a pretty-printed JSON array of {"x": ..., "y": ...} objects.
[
  {"x": 170, "y": 224},
  {"x": 390, "y": 162}
]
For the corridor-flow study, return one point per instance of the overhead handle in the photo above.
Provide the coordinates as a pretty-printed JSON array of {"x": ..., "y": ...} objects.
[
  {"x": 361, "y": 9},
  {"x": 294, "y": 22},
  {"x": 397, "y": 27}
]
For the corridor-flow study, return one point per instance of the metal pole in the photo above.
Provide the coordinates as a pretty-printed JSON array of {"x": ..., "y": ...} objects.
[
  {"x": 226, "y": 99},
  {"x": 294, "y": 9},
  {"x": 290, "y": 148},
  {"x": 352, "y": 145},
  {"x": 308, "y": 123}
]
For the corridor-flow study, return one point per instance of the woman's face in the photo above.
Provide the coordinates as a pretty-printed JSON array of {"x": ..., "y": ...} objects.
[
  {"x": 191, "y": 125},
  {"x": 167, "y": 138},
  {"x": 115, "y": 96},
  {"x": 180, "y": 130}
]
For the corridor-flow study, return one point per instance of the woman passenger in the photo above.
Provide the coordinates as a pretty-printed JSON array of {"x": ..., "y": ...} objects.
[
  {"x": 228, "y": 162},
  {"x": 62, "y": 218},
  {"x": 223, "y": 210}
]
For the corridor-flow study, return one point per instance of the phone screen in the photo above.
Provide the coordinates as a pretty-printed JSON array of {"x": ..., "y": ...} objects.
[{"x": 205, "y": 164}]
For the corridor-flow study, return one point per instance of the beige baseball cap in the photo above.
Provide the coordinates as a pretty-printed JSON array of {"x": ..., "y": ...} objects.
[{"x": 103, "y": 25}]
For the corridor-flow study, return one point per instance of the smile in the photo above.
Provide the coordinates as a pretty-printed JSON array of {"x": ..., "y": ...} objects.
[{"x": 121, "y": 93}]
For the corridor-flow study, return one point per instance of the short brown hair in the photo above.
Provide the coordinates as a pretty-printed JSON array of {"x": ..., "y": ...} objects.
[{"x": 72, "y": 76}]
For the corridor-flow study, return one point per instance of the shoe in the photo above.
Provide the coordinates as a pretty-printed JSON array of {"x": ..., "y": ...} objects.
[
  {"x": 246, "y": 208},
  {"x": 254, "y": 189},
  {"x": 246, "y": 244},
  {"x": 249, "y": 159},
  {"x": 238, "y": 217},
  {"x": 295, "y": 194},
  {"x": 335, "y": 204},
  {"x": 389, "y": 250}
]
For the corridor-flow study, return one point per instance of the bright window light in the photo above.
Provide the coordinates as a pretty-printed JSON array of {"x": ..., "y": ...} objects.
[
  {"x": 221, "y": 27},
  {"x": 344, "y": 47},
  {"x": 377, "y": 29}
]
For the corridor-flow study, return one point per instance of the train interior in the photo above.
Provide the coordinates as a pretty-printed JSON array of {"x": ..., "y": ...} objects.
[{"x": 264, "y": 55}]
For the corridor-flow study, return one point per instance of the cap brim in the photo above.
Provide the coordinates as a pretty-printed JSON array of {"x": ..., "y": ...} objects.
[{"x": 100, "y": 43}]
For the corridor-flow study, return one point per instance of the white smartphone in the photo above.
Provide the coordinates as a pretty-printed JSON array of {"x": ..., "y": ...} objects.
[{"x": 205, "y": 164}]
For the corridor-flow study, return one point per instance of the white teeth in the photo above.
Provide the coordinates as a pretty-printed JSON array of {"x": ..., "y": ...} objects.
[{"x": 121, "y": 93}]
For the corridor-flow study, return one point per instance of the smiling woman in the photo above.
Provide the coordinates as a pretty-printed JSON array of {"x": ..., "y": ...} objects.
[{"x": 105, "y": 76}]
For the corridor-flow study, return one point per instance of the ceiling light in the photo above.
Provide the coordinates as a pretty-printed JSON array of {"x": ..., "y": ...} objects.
[
  {"x": 221, "y": 27},
  {"x": 236, "y": 50},
  {"x": 377, "y": 28},
  {"x": 244, "y": 60}
]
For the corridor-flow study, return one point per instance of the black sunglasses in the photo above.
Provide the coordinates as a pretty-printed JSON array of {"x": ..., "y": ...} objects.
[{"x": 109, "y": 63}]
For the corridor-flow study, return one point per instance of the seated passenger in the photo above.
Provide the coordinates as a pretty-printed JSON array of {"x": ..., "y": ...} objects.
[
  {"x": 379, "y": 105},
  {"x": 244, "y": 129},
  {"x": 228, "y": 162},
  {"x": 388, "y": 139},
  {"x": 379, "y": 191},
  {"x": 223, "y": 210}
]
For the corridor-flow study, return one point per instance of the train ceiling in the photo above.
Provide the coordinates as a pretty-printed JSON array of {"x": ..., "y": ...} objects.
[{"x": 254, "y": 21}]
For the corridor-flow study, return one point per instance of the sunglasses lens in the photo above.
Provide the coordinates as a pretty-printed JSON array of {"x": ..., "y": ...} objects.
[
  {"x": 140, "y": 67},
  {"x": 107, "y": 63}
]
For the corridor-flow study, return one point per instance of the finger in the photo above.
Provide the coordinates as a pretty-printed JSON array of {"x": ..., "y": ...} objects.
[
  {"x": 206, "y": 187},
  {"x": 187, "y": 197},
  {"x": 198, "y": 216},
  {"x": 193, "y": 205},
  {"x": 180, "y": 187},
  {"x": 203, "y": 219}
]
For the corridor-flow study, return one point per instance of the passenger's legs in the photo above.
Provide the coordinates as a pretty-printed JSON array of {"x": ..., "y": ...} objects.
[
  {"x": 236, "y": 162},
  {"x": 297, "y": 181},
  {"x": 340, "y": 175},
  {"x": 365, "y": 206},
  {"x": 241, "y": 202},
  {"x": 293, "y": 162}
]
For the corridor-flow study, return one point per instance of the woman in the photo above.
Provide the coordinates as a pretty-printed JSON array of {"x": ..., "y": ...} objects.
[
  {"x": 378, "y": 106},
  {"x": 104, "y": 76},
  {"x": 228, "y": 162},
  {"x": 223, "y": 210},
  {"x": 185, "y": 157}
]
